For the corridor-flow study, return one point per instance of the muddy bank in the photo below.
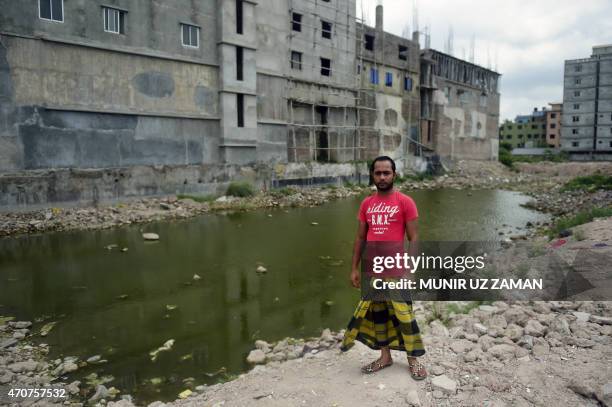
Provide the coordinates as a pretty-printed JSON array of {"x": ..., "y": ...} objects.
[
  {"x": 541, "y": 180},
  {"x": 157, "y": 209}
]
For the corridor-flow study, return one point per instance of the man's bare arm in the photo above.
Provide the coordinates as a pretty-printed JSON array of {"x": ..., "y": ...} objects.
[
  {"x": 360, "y": 239},
  {"x": 412, "y": 234}
]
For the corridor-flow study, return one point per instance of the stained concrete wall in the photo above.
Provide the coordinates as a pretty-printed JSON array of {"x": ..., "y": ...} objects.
[
  {"x": 465, "y": 101},
  {"x": 72, "y": 106},
  {"x": 71, "y": 76},
  {"x": 151, "y": 26}
]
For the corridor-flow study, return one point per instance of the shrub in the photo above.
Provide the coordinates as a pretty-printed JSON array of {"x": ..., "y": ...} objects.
[
  {"x": 579, "y": 219},
  {"x": 197, "y": 198},
  {"x": 240, "y": 189},
  {"x": 589, "y": 183}
]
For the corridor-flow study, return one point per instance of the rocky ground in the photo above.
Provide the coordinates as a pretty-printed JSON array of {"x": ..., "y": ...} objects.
[{"x": 542, "y": 354}]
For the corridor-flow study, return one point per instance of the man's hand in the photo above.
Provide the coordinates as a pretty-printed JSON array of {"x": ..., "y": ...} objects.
[{"x": 355, "y": 278}]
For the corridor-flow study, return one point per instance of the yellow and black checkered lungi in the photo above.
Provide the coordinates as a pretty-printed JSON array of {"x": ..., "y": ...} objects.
[{"x": 385, "y": 324}]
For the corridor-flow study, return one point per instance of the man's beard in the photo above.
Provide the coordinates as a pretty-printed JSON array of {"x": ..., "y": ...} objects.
[{"x": 385, "y": 187}]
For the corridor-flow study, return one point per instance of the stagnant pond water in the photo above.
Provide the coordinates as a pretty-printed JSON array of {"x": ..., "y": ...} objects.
[{"x": 115, "y": 304}]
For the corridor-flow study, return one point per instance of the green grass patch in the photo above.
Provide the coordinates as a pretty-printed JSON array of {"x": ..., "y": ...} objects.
[
  {"x": 280, "y": 192},
  {"x": 579, "y": 219},
  {"x": 506, "y": 157},
  {"x": 589, "y": 183},
  {"x": 197, "y": 198},
  {"x": 240, "y": 189}
]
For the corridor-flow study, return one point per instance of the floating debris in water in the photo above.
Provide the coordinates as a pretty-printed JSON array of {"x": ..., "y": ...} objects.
[
  {"x": 156, "y": 381},
  {"x": 186, "y": 357},
  {"x": 122, "y": 297},
  {"x": 150, "y": 236},
  {"x": 111, "y": 246},
  {"x": 223, "y": 370},
  {"x": 125, "y": 249},
  {"x": 325, "y": 257},
  {"x": 314, "y": 223},
  {"x": 165, "y": 347},
  {"x": 197, "y": 277},
  {"x": 93, "y": 380},
  {"x": 329, "y": 303},
  {"x": 44, "y": 331},
  {"x": 276, "y": 299},
  {"x": 171, "y": 307},
  {"x": 185, "y": 393},
  {"x": 261, "y": 269}
]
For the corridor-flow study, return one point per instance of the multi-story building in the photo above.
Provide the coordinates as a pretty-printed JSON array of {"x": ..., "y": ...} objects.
[
  {"x": 553, "y": 125},
  {"x": 388, "y": 93},
  {"x": 587, "y": 106},
  {"x": 107, "y": 99},
  {"x": 526, "y": 131},
  {"x": 459, "y": 107}
]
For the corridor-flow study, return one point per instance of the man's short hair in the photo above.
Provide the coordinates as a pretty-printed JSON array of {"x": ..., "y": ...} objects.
[{"x": 382, "y": 158}]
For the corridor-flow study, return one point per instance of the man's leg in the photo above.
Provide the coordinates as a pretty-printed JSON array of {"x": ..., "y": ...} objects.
[{"x": 385, "y": 355}]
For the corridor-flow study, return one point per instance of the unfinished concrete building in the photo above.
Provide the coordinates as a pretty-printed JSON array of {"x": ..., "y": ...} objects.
[
  {"x": 459, "y": 108},
  {"x": 103, "y": 100},
  {"x": 388, "y": 94},
  {"x": 587, "y": 106},
  {"x": 306, "y": 81}
]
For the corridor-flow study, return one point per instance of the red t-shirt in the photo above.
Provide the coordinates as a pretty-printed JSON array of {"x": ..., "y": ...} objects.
[{"x": 386, "y": 216}]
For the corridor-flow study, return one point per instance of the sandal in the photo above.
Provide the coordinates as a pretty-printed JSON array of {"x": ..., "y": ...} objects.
[
  {"x": 374, "y": 367},
  {"x": 417, "y": 369}
]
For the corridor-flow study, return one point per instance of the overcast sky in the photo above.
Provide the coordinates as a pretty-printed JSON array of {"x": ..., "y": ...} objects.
[{"x": 531, "y": 39}]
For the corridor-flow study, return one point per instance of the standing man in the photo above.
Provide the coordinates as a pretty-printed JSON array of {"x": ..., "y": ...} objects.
[{"x": 387, "y": 215}]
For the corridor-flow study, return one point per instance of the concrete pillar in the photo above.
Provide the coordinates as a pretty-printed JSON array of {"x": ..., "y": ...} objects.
[{"x": 379, "y": 17}]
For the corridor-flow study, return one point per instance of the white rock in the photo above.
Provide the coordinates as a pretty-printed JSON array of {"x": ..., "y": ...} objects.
[
  {"x": 514, "y": 332},
  {"x": 327, "y": 336},
  {"x": 444, "y": 384},
  {"x": 488, "y": 308},
  {"x": 502, "y": 351},
  {"x": 101, "y": 393},
  {"x": 256, "y": 356},
  {"x": 534, "y": 328},
  {"x": 262, "y": 345},
  {"x": 480, "y": 328},
  {"x": 437, "y": 370},
  {"x": 461, "y": 346},
  {"x": 516, "y": 316},
  {"x": 412, "y": 398},
  {"x": 560, "y": 325},
  {"x": 438, "y": 328},
  {"x": 581, "y": 316},
  {"x": 150, "y": 236},
  {"x": 540, "y": 347},
  {"x": 498, "y": 321}
]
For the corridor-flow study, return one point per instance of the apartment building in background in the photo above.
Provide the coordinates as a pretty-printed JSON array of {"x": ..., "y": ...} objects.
[
  {"x": 587, "y": 106},
  {"x": 553, "y": 125},
  {"x": 526, "y": 131}
]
